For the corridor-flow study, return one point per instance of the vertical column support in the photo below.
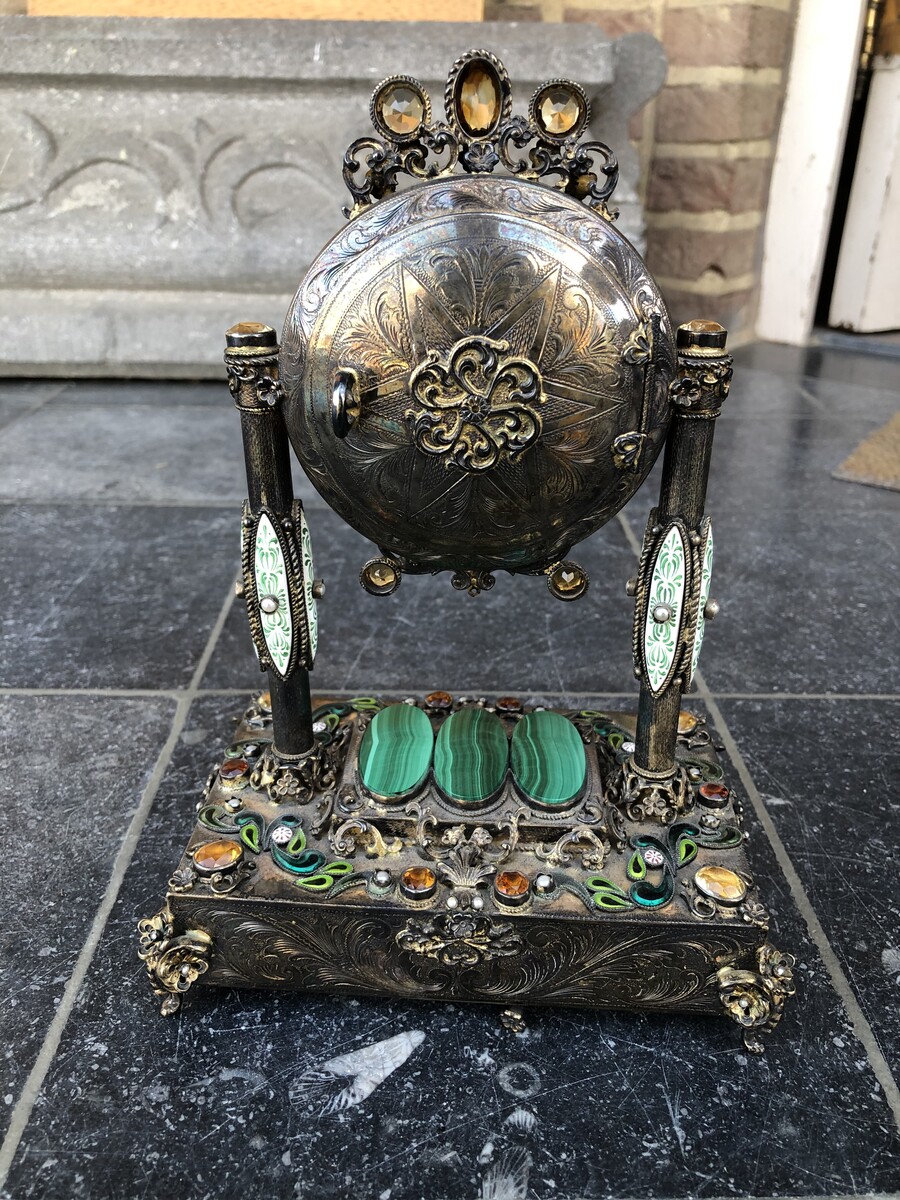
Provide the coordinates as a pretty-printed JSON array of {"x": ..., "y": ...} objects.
[
  {"x": 672, "y": 585},
  {"x": 251, "y": 360}
]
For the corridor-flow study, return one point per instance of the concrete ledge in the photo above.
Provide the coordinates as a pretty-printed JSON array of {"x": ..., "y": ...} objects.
[{"x": 160, "y": 177}]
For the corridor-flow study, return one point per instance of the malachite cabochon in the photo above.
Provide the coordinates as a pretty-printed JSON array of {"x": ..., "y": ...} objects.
[
  {"x": 395, "y": 754},
  {"x": 548, "y": 759},
  {"x": 471, "y": 756}
]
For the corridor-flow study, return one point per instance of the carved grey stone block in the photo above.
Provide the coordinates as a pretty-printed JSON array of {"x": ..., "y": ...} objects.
[{"x": 163, "y": 179}]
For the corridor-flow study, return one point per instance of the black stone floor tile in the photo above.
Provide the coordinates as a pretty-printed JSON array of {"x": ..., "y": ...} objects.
[
  {"x": 148, "y": 451},
  {"x": 839, "y": 366},
  {"x": 18, "y": 397},
  {"x": 74, "y": 769},
  {"x": 428, "y": 635},
  {"x": 123, "y": 452},
  {"x": 829, "y": 774},
  {"x": 96, "y": 596},
  {"x": 154, "y": 392},
  {"x": 235, "y": 1098},
  {"x": 804, "y": 564},
  {"x": 761, "y": 393}
]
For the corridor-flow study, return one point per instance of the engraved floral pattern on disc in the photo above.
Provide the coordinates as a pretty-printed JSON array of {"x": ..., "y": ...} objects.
[{"x": 493, "y": 379}]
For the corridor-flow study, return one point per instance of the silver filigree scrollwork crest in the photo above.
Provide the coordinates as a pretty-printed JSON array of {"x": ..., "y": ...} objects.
[{"x": 480, "y": 134}]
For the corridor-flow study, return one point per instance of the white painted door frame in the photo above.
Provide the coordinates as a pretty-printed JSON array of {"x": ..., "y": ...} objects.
[{"x": 807, "y": 162}]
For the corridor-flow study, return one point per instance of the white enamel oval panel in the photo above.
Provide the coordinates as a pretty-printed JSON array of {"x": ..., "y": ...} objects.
[
  {"x": 270, "y": 573},
  {"x": 705, "y": 580},
  {"x": 667, "y": 585},
  {"x": 309, "y": 574}
]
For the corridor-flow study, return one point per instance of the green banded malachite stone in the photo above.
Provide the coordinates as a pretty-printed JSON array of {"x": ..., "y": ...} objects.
[
  {"x": 548, "y": 759},
  {"x": 396, "y": 750},
  {"x": 471, "y": 756}
]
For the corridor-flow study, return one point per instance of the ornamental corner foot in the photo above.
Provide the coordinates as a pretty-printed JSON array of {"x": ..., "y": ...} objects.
[
  {"x": 174, "y": 962},
  {"x": 755, "y": 999},
  {"x": 513, "y": 1019}
]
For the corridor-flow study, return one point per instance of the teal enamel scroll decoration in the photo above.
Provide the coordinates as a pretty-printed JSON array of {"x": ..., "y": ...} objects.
[
  {"x": 278, "y": 589},
  {"x": 664, "y": 609}
]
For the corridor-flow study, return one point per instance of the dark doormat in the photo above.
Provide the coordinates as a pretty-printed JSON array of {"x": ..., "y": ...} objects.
[{"x": 876, "y": 460}]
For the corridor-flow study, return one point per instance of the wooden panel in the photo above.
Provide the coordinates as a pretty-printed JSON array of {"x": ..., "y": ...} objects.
[{"x": 307, "y": 10}]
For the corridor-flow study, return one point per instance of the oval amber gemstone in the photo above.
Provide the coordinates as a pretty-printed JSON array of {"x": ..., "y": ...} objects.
[
  {"x": 418, "y": 882},
  {"x": 401, "y": 109},
  {"x": 380, "y": 578},
  {"x": 720, "y": 883},
  {"x": 396, "y": 751},
  {"x": 478, "y": 97},
  {"x": 471, "y": 756},
  {"x": 233, "y": 768},
  {"x": 217, "y": 856},
  {"x": 558, "y": 110},
  {"x": 687, "y": 722},
  {"x": 714, "y": 795},
  {"x": 439, "y": 700},
  {"x": 568, "y": 582},
  {"x": 512, "y": 886}
]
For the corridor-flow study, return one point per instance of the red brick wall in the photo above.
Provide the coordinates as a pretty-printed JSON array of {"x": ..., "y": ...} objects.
[{"x": 707, "y": 141}]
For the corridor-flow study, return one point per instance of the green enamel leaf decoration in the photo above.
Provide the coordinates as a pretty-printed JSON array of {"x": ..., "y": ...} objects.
[
  {"x": 270, "y": 574},
  {"x": 667, "y": 584},
  {"x": 309, "y": 574},
  {"x": 297, "y": 844},
  {"x": 636, "y": 867},
  {"x": 250, "y": 831},
  {"x": 606, "y": 894},
  {"x": 687, "y": 851},
  {"x": 327, "y": 877},
  {"x": 705, "y": 579},
  {"x": 217, "y": 818}
]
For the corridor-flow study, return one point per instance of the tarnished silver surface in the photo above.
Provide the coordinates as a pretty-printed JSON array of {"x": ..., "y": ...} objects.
[{"x": 503, "y": 361}]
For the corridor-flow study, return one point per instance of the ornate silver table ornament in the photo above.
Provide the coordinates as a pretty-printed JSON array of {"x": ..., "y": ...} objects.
[{"x": 476, "y": 373}]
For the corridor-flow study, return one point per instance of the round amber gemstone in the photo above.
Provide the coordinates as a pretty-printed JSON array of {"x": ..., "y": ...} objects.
[
  {"x": 217, "y": 856},
  {"x": 418, "y": 883},
  {"x": 512, "y": 886},
  {"x": 439, "y": 700},
  {"x": 401, "y": 109},
  {"x": 479, "y": 97},
  {"x": 719, "y": 883},
  {"x": 568, "y": 581},
  {"x": 714, "y": 795},
  {"x": 558, "y": 110},
  {"x": 233, "y": 768},
  {"x": 687, "y": 722},
  {"x": 265, "y": 702},
  {"x": 380, "y": 578},
  {"x": 509, "y": 704}
]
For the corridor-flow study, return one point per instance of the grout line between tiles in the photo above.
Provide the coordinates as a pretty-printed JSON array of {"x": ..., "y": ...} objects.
[
  {"x": 21, "y": 1113},
  {"x": 861, "y": 1027}
]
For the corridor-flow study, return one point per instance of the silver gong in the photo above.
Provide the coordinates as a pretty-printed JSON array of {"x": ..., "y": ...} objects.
[{"x": 476, "y": 374}]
